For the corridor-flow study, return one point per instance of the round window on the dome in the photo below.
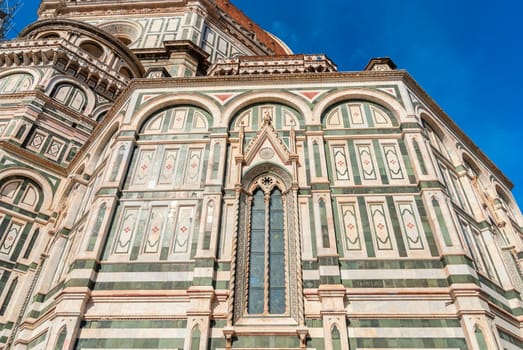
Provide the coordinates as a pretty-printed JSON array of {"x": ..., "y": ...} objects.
[{"x": 93, "y": 49}]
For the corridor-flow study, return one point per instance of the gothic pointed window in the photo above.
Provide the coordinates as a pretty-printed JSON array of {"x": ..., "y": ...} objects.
[{"x": 266, "y": 256}]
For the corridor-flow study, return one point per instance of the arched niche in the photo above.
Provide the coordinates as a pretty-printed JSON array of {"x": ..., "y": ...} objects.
[
  {"x": 19, "y": 190},
  {"x": 435, "y": 134},
  {"x": 251, "y": 117},
  {"x": 177, "y": 119},
  {"x": 72, "y": 94},
  {"x": 47, "y": 192},
  {"x": 126, "y": 32},
  {"x": 358, "y": 114},
  {"x": 240, "y": 103},
  {"x": 380, "y": 98},
  {"x": 167, "y": 101},
  {"x": 17, "y": 81}
]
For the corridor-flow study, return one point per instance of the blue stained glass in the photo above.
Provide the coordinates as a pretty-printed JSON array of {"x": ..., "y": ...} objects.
[
  {"x": 257, "y": 255},
  {"x": 258, "y": 219},
  {"x": 277, "y": 301},
  {"x": 276, "y": 241},
  {"x": 258, "y": 240},
  {"x": 277, "y": 275},
  {"x": 256, "y": 301},
  {"x": 257, "y": 270},
  {"x": 276, "y": 256}
]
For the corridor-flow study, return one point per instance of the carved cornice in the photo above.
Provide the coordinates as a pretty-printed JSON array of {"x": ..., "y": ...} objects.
[
  {"x": 48, "y": 102},
  {"x": 280, "y": 81},
  {"x": 108, "y": 7},
  {"x": 65, "y": 57},
  {"x": 91, "y": 31},
  {"x": 248, "y": 65}
]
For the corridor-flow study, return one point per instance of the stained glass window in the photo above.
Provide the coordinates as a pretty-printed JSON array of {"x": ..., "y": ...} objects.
[
  {"x": 277, "y": 255},
  {"x": 267, "y": 254}
]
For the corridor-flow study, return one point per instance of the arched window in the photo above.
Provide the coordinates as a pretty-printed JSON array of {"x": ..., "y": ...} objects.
[
  {"x": 61, "y": 339},
  {"x": 480, "y": 338},
  {"x": 21, "y": 191},
  {"x": 70, "y": 96},
  {"x": 92, "y": 48},
  {"x": 266, "y": 252},
  {"x": 356, "y": 114},
  {"x": 16, "y": 83},
  {"x": 195, "y": 338},
  {"x": 267, "y": 240},
  {"x": 22, "y": 195},
  {"x": 336, "y": 338},
  {"x": 505, "y": 202},
  {"x": 435, "y": 138}
]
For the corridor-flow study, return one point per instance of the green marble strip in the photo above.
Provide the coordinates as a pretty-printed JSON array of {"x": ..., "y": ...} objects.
[
  {"x": 317, "y": 162},
  {"x": 313, "y": 229},
  {"x": 412, "y": 343},
  {"x": 396, "y": 227},
  {"x": 365, "y": 190},
  {"x": 133, "y": 324},
  {"x": 36, "y": 341},
  {"x": 367, "y": 131},
  {"x": 216, "y": 343},
  {"x": 381, "y": 162},
  {"x": 18, "y": 210},
  {"x": 311, "y": 283},
  {"x": 511, "y": 339},
  {"x": 390, "y": 264},
  {"x": 407, "y": 161},
  {"x": 84, "y": 264},
  {"x": 366, "y": 228},
  {"x": 396, "y": 283},
  {"x": 433, "y": 247},
  {"x": 267, "y": 342},
  {"x": 221, "y": 285},
  {"x": 309, "y": 265},
  {"x": 460, "y": 279},
  {"x": 147, "y": 267},
  {"x": 9, "y": 295},
  {"x": 130, "y": 343},
  {"x": 441, "y": 222},
  {"x": 44, "y": 297},
  {"x": 354, "y": 163},
  {"x": 8, "y": 325},
  {"x": 139, "y": 285},
  {"x": 405, "y": 323},
  {"x": 419, "y": 157},
  {"x": 456, "y": 260},
  {"x": 510, "y": 294},
  {"x": 7, "y": 265}
]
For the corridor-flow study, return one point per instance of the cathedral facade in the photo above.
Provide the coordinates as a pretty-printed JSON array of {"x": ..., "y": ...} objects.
[{"x": 172, "y": 176}]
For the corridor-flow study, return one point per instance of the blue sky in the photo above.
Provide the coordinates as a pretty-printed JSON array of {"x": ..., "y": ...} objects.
[{"x": 466, "y": 55}]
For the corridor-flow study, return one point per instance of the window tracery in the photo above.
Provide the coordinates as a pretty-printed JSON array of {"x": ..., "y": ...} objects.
[
  {"x": 266, "y": 254},
  {"x": 266, "y": 293},
  {"x": 70, "y": 96}
]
